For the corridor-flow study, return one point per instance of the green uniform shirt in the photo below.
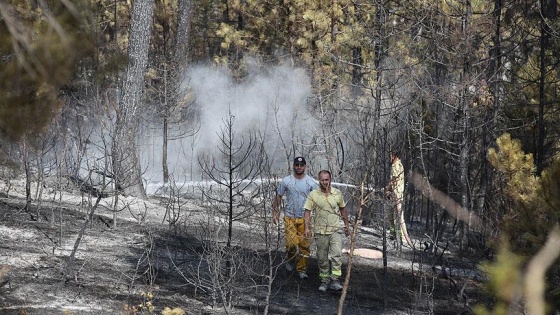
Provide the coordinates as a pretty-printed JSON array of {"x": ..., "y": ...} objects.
[{"x": 326, "y": 219}]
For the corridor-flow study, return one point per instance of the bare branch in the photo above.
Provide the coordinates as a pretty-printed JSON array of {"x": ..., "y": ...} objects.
[
  {"x": 536, "y": 270},
  {"x": 451, "y": 206}
]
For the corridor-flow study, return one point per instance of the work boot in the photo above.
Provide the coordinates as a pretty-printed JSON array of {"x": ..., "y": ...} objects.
[
  {"x": 324, "y": 286},
  {"x": 289, "y": 266},
  {"x": 335, "y": 285},
  {"x": 302, "y": 275}
]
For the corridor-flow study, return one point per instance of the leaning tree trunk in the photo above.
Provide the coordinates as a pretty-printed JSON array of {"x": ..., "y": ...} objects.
[{"x": 126, "y": 162}]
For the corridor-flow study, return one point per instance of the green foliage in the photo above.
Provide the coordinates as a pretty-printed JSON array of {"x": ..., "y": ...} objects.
[
  {"x": 536, "y": 200},
  {"x": 40, "y": 47},
  {"x": 535, "y": 206},
  {"x": 504, "y": 280},
  {"x": 320, "y": 34},
  {"x": 533, "y": 80},
  {"x": 515, "y": 167}
]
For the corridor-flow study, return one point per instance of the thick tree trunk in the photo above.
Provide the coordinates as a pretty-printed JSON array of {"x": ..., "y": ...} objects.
[
  {"x": 182, "y": 35},
  {"x": 126, "y": 162}
]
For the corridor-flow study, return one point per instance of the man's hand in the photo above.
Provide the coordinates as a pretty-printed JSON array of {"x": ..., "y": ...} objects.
[
  {"x": 346, "y": 231},
  {"x": 307, "y": 233},
  {"x": 388, "y": 192}
]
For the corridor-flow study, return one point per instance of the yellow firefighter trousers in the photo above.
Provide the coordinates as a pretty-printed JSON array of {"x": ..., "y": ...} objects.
[{"x": 297, "y": 246}]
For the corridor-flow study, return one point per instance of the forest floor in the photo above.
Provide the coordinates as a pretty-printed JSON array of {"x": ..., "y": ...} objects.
[{"x": 146, "y": 261}]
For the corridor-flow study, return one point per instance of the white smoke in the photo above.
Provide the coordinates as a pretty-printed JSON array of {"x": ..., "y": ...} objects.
[
  {"x": 266, "y": 101},
  {"x": 271, "y": 101}
]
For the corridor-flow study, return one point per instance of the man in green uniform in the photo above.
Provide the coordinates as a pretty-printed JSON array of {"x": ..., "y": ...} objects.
[{"x": 329, "y": 206}]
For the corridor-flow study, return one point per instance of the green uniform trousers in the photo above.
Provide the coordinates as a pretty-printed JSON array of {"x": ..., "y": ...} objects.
[{"x": 329, "y": 255}]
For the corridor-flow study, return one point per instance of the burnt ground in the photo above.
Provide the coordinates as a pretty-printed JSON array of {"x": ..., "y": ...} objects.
[{"x": 115, "y": 268}]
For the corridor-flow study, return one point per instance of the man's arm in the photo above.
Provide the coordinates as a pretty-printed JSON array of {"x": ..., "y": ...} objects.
[
  {"x": 344, "y": 215},
  {"x": 275, "y": 208},
  {"x": 307, "y": 219}
]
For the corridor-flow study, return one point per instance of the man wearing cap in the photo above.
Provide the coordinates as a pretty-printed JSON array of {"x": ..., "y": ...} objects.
[{"x": 295, "y": 188}]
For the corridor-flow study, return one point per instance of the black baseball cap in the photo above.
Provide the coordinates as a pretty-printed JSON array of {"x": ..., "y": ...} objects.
[{"x": 299, "y": 160}]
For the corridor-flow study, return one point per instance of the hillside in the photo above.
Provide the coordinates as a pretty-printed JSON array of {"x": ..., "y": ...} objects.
[{"x": 145, "y": 259}]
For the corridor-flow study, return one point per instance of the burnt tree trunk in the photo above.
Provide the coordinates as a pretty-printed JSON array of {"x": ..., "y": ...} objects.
[{"x": 126, "y": 161}]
